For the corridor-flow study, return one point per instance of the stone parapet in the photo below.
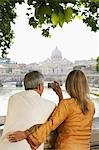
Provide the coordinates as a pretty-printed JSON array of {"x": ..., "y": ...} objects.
[
  {"x": 95, "y": 139},
  {"x": 95, "y": 134}
]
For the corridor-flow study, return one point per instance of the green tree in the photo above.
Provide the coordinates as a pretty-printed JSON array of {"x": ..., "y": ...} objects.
[
  {"x": 56, "y": 12},
  {"x": 97, "y": 64},
  {"x": 7, "y": 15},
  {"x": 47, "y": 14}
]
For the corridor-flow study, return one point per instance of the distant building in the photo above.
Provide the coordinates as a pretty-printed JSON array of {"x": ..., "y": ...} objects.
[
  {"x": 32, "y": 66},
  {"x": 56, "y": 65},
  {"x": 53, "y": 68},
  {"x": 2, "y": 69},
  {"x": 5, "y": 60},
  {"x": 86, "y": 63},
  {"x": 88, "y": 66}
]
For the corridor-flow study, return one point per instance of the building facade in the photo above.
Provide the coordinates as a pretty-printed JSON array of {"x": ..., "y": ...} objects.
[
  {"x": 56, "y": 65},
  {"x": 53, "y": 68}
]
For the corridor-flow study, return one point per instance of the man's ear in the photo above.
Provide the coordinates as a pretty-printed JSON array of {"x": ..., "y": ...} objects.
[{"x": 39, "y": 87}]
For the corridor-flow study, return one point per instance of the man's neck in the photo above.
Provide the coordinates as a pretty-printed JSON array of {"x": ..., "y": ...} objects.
[{"x": 36, "y": 90}]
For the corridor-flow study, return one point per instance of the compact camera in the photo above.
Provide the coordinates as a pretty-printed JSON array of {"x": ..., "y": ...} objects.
[{"x": 50, "y": 85}]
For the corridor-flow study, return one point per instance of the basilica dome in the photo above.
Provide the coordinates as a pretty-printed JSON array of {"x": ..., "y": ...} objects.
[{"x": 56, "y": 55}]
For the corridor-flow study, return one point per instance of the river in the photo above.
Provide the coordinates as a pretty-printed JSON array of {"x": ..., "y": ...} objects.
[{"x": 9, "y": 89}]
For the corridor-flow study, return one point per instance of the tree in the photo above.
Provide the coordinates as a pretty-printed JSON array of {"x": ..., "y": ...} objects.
[
  {"x": 7, "y": 15},
  {"x": 97, "y": 64},
  {"x": 56, "y": 12},
  {"x": 47, "y": 14}
]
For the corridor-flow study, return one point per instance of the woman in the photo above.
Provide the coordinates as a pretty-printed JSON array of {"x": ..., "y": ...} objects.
[{"x": 72, "y": 116}]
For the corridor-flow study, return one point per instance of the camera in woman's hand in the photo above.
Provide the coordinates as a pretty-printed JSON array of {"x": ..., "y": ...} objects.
[{"x": 51, "y": 85}]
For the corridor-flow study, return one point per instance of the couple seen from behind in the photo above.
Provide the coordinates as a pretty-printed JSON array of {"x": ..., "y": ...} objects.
[{"x": 31, "y": 118}]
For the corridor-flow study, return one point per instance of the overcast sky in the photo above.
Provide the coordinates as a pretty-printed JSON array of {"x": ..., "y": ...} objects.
[{"x": 75, "y": 40}]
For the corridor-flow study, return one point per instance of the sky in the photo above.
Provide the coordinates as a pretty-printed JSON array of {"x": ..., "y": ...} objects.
[{"x": 75, "y": 40}]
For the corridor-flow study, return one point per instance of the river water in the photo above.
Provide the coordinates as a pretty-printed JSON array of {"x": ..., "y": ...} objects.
[{"x": 9, "y": 89}]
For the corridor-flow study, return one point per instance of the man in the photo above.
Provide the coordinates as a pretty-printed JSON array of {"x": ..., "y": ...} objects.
[{"x": 26, "y": 109}]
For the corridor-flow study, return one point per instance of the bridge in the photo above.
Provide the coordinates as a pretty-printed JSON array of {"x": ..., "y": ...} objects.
[{"x": 9, "y": 77}]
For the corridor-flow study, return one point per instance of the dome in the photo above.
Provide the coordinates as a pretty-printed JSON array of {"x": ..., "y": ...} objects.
[{"x": 56, "y": 55}]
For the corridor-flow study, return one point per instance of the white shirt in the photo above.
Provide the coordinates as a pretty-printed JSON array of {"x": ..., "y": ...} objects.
[{"x": 25, "y": 109}]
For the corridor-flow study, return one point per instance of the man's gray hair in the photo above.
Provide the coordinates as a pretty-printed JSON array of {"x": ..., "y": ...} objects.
[{"x": 33, "y": 79}]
